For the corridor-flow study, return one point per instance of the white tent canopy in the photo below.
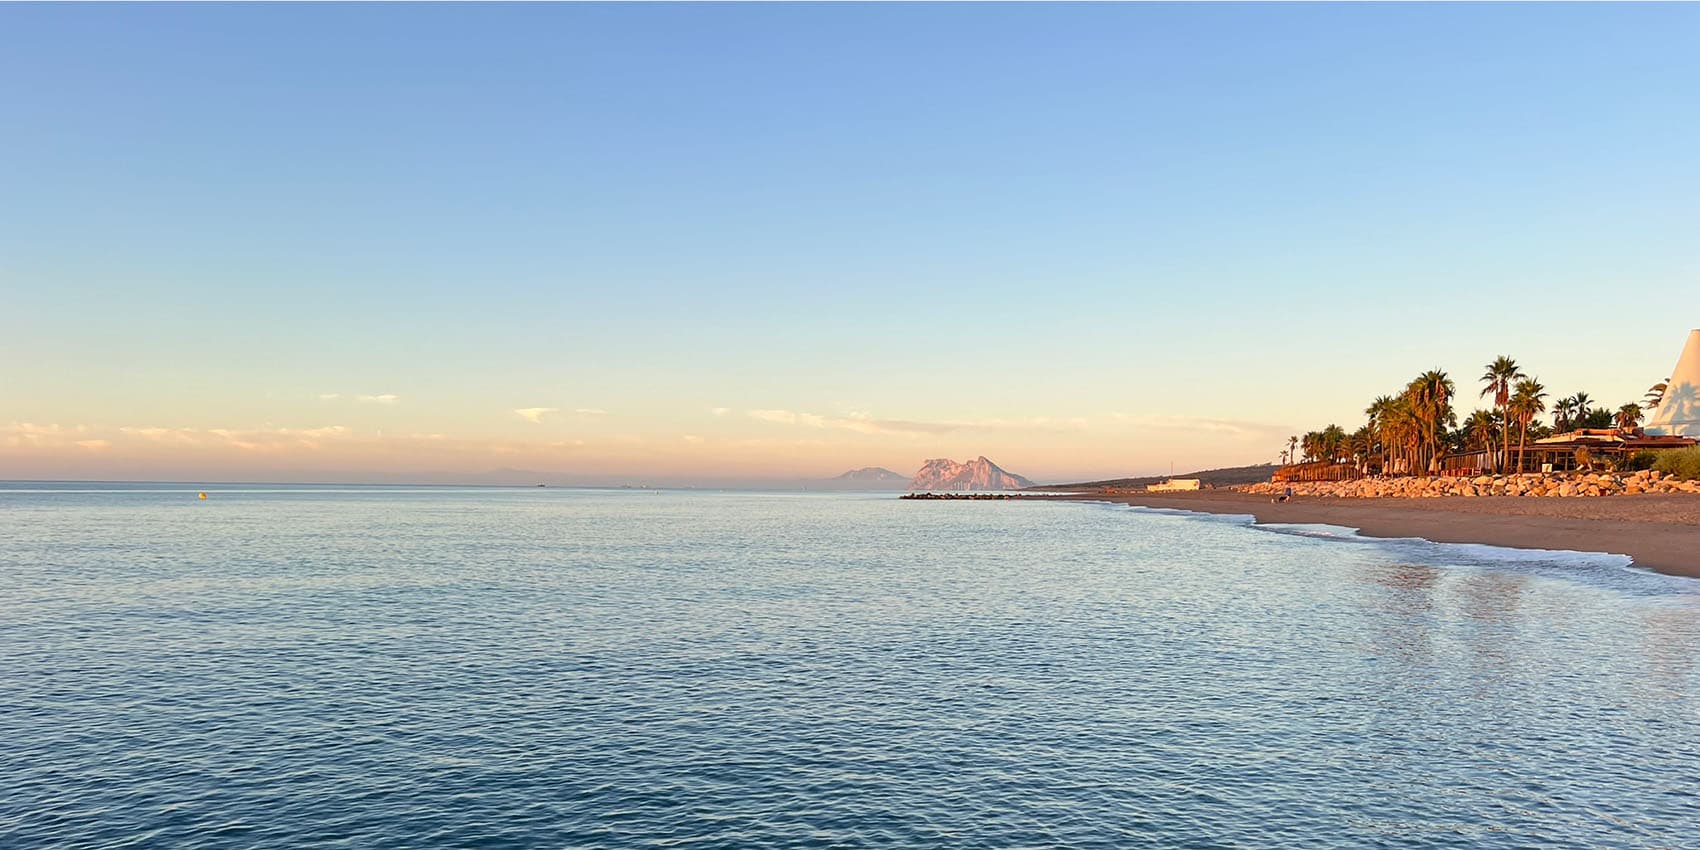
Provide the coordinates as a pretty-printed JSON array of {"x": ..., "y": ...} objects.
[{"x": 1678, "y": 412}]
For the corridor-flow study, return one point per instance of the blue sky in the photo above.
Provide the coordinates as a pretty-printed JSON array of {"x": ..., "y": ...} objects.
[{"x": 1081, "y": 239}]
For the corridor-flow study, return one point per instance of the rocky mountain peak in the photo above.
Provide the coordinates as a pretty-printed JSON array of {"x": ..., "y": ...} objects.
[{"x": 978, "y": 474}]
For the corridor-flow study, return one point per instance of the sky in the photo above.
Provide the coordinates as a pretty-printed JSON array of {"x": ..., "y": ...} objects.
[{"x": 698, "y": 244}]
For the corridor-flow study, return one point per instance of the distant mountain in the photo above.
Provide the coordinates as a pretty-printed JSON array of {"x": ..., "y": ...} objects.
[
  {"x": 872, "y": 475},
  {"x": 978, "y": 474},
  {"x": 866, "y": 478}
]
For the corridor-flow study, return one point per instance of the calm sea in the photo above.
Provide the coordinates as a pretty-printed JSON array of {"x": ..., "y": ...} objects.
[{"x": 413, "y": 667}]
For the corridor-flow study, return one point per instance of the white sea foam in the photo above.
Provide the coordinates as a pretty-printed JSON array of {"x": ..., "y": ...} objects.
[{"x": 1613, "y": 569}]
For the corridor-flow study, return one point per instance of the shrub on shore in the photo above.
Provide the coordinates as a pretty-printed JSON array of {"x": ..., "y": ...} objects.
[
  {"x": 1680, "y": 463},
  {"x": 1643, "y": 459}
]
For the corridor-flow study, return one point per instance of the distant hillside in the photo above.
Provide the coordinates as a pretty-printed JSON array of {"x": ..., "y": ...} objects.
[
  {"x": 977, "y": 474},
  {"x": 1225, "y": 477},
  {"x": 866, "y": 478},
  {"x": 872, "y": 474}
]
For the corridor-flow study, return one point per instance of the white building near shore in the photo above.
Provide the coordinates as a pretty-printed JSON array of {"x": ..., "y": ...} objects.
[
  {"x": 1173, "y": 485},
  {"x": 1678, "y": 413}
]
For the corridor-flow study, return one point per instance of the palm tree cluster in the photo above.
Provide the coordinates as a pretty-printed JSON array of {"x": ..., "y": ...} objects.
[
  {"x": 1409, "y": 431},
  {"x": 1327, "y": 444},
  {"x": 1406, "y": 431}
]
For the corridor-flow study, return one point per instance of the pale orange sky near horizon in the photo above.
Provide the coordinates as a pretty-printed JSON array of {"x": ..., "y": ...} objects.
[
  {"x": 392, "y": 437},
  {"x": 597, "y": 448}
]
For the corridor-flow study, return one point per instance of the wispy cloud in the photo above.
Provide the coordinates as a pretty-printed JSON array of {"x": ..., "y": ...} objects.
[
  {"x": 864, "y": 423},
  {"x": 270, "y": 444},
  {"x": 590, "y": 411},
  {"x": 535, "y": 414},
  {"x": 693, "y": 439},
  {"x": 719, "y": 411},
  {"x": 245, "y": 439},
  {"x": 1230, "y": 427},
  {"x": 182, "y": 436},
  {"x": 279, "y": 439},
  {"x": 375, "y": 398},
  {"x": 789, "y": 417},
  {"x": 32, "y": 435}
]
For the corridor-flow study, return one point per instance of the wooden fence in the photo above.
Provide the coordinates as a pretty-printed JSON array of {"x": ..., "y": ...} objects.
[{"x": 1317, "y": 470}]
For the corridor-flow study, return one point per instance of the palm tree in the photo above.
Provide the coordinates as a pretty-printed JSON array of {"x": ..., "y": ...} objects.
[
  {"x": 1401, "y": 435},
  {"x": 1379, "y": 411},
  {"x": 1656, "y": 393},
  {"x": 1431, "y": 399},
  {"x": 1332, "y": 441},
  {"x": 1360, "y": 447},
  {"x": 1292, "y": 446},
  {"x": 1313, "y": 446},
  {"x": 1571, "y": 413},
  {"x": 1501, "y": 374},
  {"x": 1527, "y": 399},
  {"x": 1481, "y": 429},
  {"x": 1628, "y": 416}
]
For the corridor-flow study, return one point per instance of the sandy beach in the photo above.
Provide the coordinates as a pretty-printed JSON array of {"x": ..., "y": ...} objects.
[{"x": 1660, "y": 532}]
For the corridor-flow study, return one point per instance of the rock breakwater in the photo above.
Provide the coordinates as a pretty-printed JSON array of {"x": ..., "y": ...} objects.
[{"x": 1555, "y": 485}]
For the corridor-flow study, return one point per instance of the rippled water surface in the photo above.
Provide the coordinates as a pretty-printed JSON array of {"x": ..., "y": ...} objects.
[{"x": 405, "y": 668}]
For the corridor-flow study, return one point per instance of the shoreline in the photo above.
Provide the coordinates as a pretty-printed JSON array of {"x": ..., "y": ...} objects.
[{"x": 1658, "y": 532}]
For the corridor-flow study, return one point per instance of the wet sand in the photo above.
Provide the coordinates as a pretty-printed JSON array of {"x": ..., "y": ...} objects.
[{"x": 1660, "y": 532}]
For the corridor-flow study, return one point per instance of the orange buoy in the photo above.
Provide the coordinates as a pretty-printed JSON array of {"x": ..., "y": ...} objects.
[{"x": 203, "y": 494}]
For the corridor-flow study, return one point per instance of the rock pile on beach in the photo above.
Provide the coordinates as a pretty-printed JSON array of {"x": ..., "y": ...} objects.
[{"x": 1567, "y": 485}]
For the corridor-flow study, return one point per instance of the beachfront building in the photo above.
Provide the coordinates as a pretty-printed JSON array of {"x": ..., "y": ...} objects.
[
  {"x": 1607, "y": 446},
  {"x": 1471, "y": 463},
  {"x": 1678, "y": 412}
]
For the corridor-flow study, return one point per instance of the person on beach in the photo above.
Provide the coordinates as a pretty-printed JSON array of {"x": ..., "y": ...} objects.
[{"x": 1286, "y": 496}]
